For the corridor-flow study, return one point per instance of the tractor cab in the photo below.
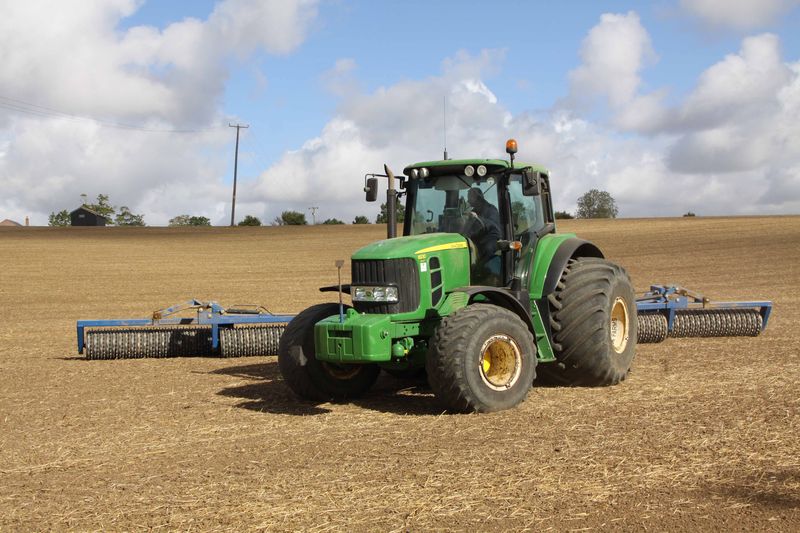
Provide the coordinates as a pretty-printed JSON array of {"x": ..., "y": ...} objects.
[{"x": 501, "y": 210}]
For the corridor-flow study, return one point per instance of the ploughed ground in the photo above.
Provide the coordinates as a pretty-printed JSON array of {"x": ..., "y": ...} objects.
[{"x": 702, "y": 435}]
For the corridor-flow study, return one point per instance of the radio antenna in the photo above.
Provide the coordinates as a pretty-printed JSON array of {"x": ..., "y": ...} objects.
[{"x": 444, "y": 121}]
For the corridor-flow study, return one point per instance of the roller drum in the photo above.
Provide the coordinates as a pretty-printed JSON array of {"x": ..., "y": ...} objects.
[
  {"x": 136, "y": 343},
  {"x": 652, "y": 328},
  {"x": 717, "y": 323},
  {"x": 247, "y": 341}
]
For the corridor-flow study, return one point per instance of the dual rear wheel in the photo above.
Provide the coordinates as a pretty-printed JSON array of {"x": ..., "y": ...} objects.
[{"x": 594, "y": 325}]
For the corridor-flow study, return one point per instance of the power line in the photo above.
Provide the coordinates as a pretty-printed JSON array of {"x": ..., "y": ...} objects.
[{"x": 20, "y": 106}]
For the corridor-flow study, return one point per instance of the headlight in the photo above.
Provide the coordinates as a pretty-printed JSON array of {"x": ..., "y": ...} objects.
[
  {"x": 374, "y": 294},
  {"x": 469, "y": 171},
  {"x": 481, "y": 170},
  {"x": 424, "y": 173}
]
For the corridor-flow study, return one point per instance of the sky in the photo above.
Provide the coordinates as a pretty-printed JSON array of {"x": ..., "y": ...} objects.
[{"x": 671, "y": 106}]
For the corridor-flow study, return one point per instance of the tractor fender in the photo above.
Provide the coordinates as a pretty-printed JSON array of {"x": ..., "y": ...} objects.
[
  {"x": 568, "y": 249},
  {"x": 499, "y": 297}
]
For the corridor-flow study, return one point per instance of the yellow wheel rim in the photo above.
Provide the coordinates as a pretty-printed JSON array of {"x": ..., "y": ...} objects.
[
  {"x": 619, "y": 326},
  {"x": 501, "y": 362}
]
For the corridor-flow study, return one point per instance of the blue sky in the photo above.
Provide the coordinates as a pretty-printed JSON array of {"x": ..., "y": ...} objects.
[
  {"x": 392, "y": 41},
  {"x": 508, "y": 69}
]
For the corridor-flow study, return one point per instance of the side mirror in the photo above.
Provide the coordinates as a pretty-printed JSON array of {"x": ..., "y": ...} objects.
[
  {"x": 531, "y": 183},
  {"x": 371, "y": 189}
]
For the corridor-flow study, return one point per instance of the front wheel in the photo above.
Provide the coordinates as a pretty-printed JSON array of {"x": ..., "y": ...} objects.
[
  {"x": 482, "y": 358},
  {"x": 310, "y": 378},
  {"x": 594, "y": 324}
]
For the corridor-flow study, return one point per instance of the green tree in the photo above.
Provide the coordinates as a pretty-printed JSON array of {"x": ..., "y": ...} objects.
[
  {"x": 102, "y": 207},
  {"x": 291, "y": 218},
  {"x": 360, "y": 219},
  {"x": 562, "y": 215},
  {"x": 333, "y": 221},
  {"x": 382, "y": 218},
  {"x": 250, "y": 220},
  {"x": 596, "y": 204},
  {"x": 689, "y": 214},
  {"x": 126, "y": 218},
  {"x": 60, "y": 219},
  {"x": 189, "y": 220}
]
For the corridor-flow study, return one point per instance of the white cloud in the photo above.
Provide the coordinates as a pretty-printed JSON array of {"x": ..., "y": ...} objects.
[
  {"x": 402, "y": 124},
  {"x": 612, "y": 55},
  {"x": 737, "y": 130},
  {"x": 738, "y": 14},
  {"x": 170, "y": 78},
  {"x": 394, "y": 125},
  {"x": 736, "y": 135},
  {"x": 742, "y": 117},
  {"x": 278, "y": 26},
  {"x": 743, "y": 84}
]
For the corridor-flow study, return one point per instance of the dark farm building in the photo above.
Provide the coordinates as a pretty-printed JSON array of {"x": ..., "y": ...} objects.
[{"x": 83, "y": 216}]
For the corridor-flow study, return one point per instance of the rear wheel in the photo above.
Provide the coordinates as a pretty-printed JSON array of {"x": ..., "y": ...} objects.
[
  {"x": 594, "y": 324},
  {"x": 310, "y": 378},
  {"x": 481, "y": 358}
]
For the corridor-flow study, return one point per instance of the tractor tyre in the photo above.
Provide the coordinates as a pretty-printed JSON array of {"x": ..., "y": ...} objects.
[
  {"x": 594, "y": 325},
  {"x": 482, "y": 358},
  {"x": 319, "y": 380}
]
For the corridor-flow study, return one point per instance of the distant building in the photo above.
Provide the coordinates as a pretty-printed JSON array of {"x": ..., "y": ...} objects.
[
  {"x": 11, "y": 223},
  {"x": 83, "y": 216}
]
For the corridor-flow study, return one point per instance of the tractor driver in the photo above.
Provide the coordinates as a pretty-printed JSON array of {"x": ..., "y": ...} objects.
[{"x": 484, "y": 230}]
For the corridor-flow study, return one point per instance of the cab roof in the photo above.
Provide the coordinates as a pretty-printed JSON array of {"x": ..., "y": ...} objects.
[{"x": 457, "y": 165}]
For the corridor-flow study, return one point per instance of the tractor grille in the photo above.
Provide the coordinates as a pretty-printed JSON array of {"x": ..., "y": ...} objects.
[{"x": 401, "y": 273}]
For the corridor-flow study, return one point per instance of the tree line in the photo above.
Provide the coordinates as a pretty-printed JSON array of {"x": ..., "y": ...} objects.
[
  {"x": 115, "y": 216},
  {"x": 594, "y": 203},
  {"x": 123, "y": 216}
]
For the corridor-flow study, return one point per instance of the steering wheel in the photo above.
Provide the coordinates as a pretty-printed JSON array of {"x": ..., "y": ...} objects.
[{"x": 471, "y": 223}]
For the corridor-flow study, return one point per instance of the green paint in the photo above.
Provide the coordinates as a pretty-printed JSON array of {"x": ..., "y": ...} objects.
[
  {"x": 453, "y": 303},
  {"x": 400, "y": 341},
  {"x": 545, "y": 251},
  {"x": 408, "y": 246},
  {"x": 491, "y": 165},
  {"x": 544, "y": 351}
]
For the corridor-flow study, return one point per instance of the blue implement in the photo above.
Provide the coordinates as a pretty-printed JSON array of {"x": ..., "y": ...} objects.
[
  {"x": 208, "y": 320},
  {"x": 678, "y": 312}
]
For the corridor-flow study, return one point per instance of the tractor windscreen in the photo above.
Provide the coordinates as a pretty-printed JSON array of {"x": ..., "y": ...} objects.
[
  {"x": 457, "y": 204},
  {"x": 465, "y": 205},
  {"x": 451, "y": 203}
]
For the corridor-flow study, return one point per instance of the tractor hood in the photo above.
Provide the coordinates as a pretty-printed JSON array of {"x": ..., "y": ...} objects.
[{"x": 411, "y": 246}]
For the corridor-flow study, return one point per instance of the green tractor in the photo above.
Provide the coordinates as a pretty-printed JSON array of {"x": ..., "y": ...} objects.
[{"x": 479, "y": 293}]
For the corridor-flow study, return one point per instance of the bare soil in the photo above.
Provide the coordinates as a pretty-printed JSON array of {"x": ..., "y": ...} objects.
[{"x": 703, "y": 435}]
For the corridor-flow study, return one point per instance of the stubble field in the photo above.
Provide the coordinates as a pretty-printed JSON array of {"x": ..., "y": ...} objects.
[{"x": 702, "y": 435}]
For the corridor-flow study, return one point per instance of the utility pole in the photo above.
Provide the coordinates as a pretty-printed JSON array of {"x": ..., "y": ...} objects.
[
  {"x": 313, "y": 210},
  {"x": 235, "y": 168}
]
